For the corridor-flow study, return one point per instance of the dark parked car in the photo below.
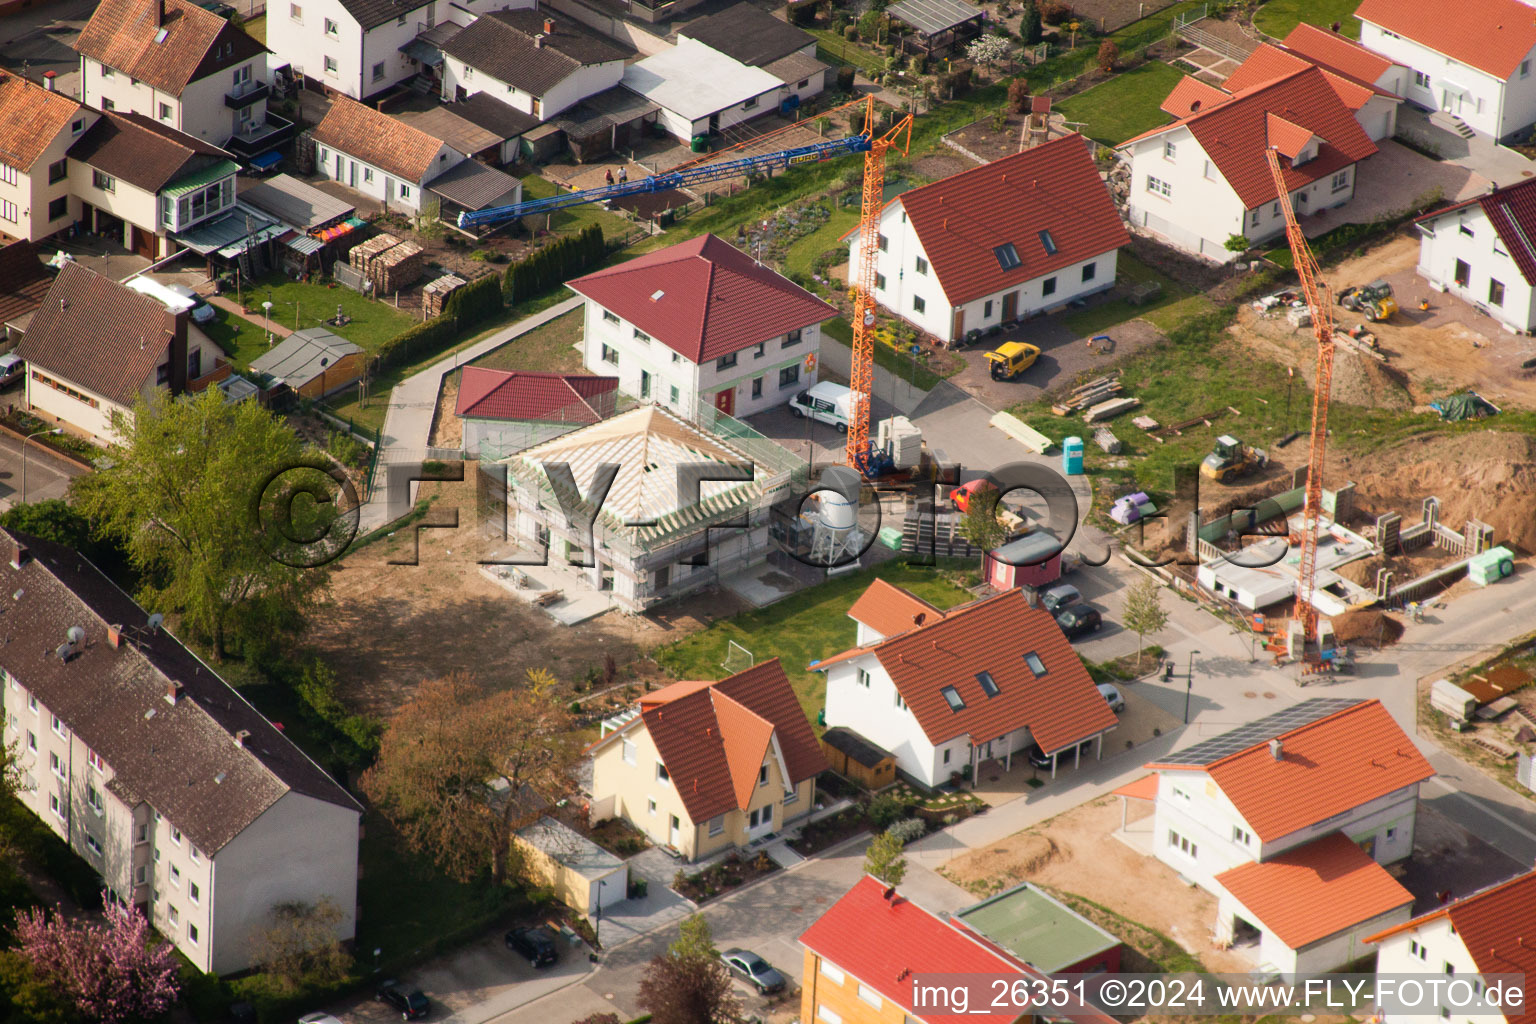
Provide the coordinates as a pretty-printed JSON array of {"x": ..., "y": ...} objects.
[
  {"x": 223, "y": 10},
  {"x": 1059, "y": 596},
  {"x": 1077, "y": 619},
  {"x": 754, "y": 969},
  {"x": 410, "y": 1002},
  {"x": 1038, "y": 758},
  {"x": 536, "y": 945}
]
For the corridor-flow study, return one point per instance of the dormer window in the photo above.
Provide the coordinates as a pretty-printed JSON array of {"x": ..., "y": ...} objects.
[{"x": 1008, "y": 256}]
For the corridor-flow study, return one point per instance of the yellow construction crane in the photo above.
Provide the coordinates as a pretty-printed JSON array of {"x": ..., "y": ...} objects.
[
  {"x": 1312, "y": 288},
  {"x": 862, "y": 277}
]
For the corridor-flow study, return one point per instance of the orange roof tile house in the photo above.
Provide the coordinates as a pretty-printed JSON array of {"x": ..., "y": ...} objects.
[{"x": 1288, "y": 821}]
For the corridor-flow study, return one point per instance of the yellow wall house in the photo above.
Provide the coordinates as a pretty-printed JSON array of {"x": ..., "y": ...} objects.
[{"x": 701, "y": 767}]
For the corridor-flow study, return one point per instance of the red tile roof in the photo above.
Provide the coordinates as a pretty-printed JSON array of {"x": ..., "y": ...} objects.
[
  {"x": 1268, "y": 63},
  {"x": 31, "y": 117},
  {"x": 1144, "y": 788},
  {"x": 1189, "y": 95},
  {"x": 576, "y": 398},
  {"x": 386, "y": 142},
  {"x": 1493, "y": 924},
  {"x": 1333, "y": 52},
  {"x": 1061, "y": 708},
  {"x": 1327, "y": 767},
  {"x": 1314, "y": 891},
  {"x": 1289, "y": 139},
  {"x": 1053, "y": 187},
  {"x": 1234, "y": 134},
  {"x": 884, "y": 942},
  {"x": 887, "y": 609},
  {"x": 1512, "y": 210},
  {"x": 125, "y": 35},
  {"x": 713, "y": 737},
  {"x": 703, "y": 298},
  {"x": 1490, "y": 35}
]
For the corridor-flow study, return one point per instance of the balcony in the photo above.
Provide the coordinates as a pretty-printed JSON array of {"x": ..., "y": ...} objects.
[
  {"x": 261, "y": 138},
  {"x": 245, "y": 94}
]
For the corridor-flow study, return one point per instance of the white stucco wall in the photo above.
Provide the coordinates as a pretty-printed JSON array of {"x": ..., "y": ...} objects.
[
  {"x": 198, "y": 111},
  {"x": 1432, "y": 948},
  {"x": 32, "y": 192},
  {"x": 1445, "y": 240},
  {"x": 1437, "y": 82},
  {"x": 375, "y": 182},
  {"x": 583, "y": 82},
  {"x": 1327, "y": 954},
  {"x": 873, "y": 713},
  {"x": 1378, "y": 118}
]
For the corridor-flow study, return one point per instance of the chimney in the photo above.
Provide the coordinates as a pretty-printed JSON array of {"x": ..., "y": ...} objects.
[
  {"x": 917, "y": 620},
  {"x": 241, "y": 737},
  {"x": 19, "y": 553},
  {"x": 538, "y": 41},
  {"x": 549, "y": 26},
  {"x": 48, "y": 83},
  {"x": 115, "y": 635},
  {"x": 173, "y": 691},
  {"x": 1277, "y": 750},
  {"x": 159, "y": 13}
]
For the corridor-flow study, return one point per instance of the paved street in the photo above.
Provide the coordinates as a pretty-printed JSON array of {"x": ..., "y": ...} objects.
[
  {"x": 46, "y": 475},
  {"x": 41, "y": 39}
]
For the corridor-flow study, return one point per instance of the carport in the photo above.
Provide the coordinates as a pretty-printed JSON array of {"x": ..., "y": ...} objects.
[{"x": 937, "y": 24}]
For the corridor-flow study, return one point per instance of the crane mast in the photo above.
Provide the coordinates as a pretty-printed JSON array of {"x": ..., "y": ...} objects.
[
  {"x": 1312, "y": 289},
  {"x": 861, "y": 377}
]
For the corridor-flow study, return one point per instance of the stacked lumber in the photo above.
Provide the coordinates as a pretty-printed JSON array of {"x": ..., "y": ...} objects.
[
  {"x": 364, "y": 253},
  {"x": 434, "y": 294},
  {"x": 397, "y": 267},
  {"x": 1109, "y": 409},
  {"x": 1091, "y": 393},
  {"x": 1106, "y": 440}
]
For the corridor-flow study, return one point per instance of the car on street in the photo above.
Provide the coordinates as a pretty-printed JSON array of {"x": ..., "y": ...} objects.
[
  {"x": 11, "y": 369},
  {"x": 1058, "y": 597},
  {"x": 754, "y": 970},
  {"x": 536, "y": 945},
  {"x": 1039, "y": 759},
  {"x": 1078, "y": 620},
  {"x": 409, "y": 1002},
  {"x": 1111, "y": 695}
]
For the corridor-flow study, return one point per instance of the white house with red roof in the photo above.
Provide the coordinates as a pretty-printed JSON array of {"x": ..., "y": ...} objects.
[
  {"x": 699, "y": 324},
  {"x": 1482, "y": 934},
  {"x": 997, "y": 243},
  {"x": 1200, "y": 180},
  {"x": 505, "y": 411},
  {"x": 1484, "y": 251},
  {"x": 1474, "y": 61},
  {"x": 700, "y": 767},
  {"x": 1288, "y": 820},
  {"x": 946, "y": 690}
]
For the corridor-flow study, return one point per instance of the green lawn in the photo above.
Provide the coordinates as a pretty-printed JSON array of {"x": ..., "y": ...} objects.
[
  {"x": 910, "y": 370},
  {"x": 800, "y": 629},
  {"x": 1124, "y": 106},
  {"x": 240, "y": 339},
  {"x": 296, "y": 304},
  {"x": 833, "y": 49},
  {"x": 1171, "y": 308},
  {"x": 549, "y": 348},
  {"x": 1278, "y": 17},
  {"x": 572, "y": 219},
  {"x": 800, "y": 255},
  {"x": 256, "y": 28}
]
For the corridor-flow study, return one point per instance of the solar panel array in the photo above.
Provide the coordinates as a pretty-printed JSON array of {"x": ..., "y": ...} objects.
[{"x": 1260, "y": 731}]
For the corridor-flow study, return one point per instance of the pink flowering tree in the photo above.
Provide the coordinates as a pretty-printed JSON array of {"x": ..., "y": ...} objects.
[{"x": 110, "y": 969}]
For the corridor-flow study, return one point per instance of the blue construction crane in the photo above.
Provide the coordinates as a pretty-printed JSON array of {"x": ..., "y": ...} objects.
[{"x": 671, "y": 179}]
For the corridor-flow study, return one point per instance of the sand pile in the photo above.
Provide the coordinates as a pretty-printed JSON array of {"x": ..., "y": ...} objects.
[
  {"x": 1488, "y": 474},
  {"x": 1366, "y": 628}
]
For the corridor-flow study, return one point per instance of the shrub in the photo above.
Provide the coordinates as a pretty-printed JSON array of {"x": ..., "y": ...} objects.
[
  {"x": 869, "y": 25},
  {"x": 1018, "y": 96},
  {"x": 919, "y": 64},
  {"x": 884, "y": 810},
  {"x": 1054, "y": 13},
  {"x": 475, "y": 302},
  {"x": 1109, "y": 56},
  {"x": 851, "y": 33},
  {"x": 909, "y": 829}
]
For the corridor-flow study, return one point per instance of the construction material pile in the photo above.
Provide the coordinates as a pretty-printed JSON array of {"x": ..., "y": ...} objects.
[
  {"x": 397, "y": 267},
  {"x": 434, "y": 295},
  {"x": 1366, "y": 628}
]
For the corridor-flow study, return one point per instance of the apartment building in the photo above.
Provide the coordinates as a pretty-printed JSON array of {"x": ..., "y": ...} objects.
[{"x": 37, "y": 127}]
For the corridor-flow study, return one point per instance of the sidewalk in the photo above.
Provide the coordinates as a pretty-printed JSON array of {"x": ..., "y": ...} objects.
[
  {"x": 413, "y": 402},
  {"x": 277, "y": 329}
]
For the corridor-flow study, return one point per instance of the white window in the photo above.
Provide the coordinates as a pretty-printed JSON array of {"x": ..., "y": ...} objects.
[
  {"x": 176, "y": 876},
  {"x": 1391, "y": 833},
  {"x": 863, "y": 678},
  {"x": 296, "y": 13},
  {"x": 95, "y": 761},
  {"x": 1525, "y": 69},
  {"x": 610, "y": 355},
  {"x": 627, "y": 752},
  {"x": 140, "y": 874},
  {"x": 1159, "y": 186},
  {"x": 193, "y": 892},
  {"x": 174, "y": 915},
  {"x": 1183, "y": 845},
  {"x": 92, "y": 844},
  {"x": 1417, "y": 950},
  {"x": 93, "y": 797},
  {"x": 921, "y": 265},
  {"x": 662, "y": 775},
  {"x": 900, "y": 703},
  {"x": 1341, "y": 181},
  {"x": 405, "y": 192},
  {"x": 331, "y": 29},
  {"x": 367, "y": 173},
  {"x": 59, "y": 727},
  {"x": 32, "y": 703},
  {"x": 378, "y": 72},
  {"x": 791, "y": 797},
  {"x": 826, "y": 1013},
  {"x": 176, "y": 835},
  {"x": 1170, "y": 150},
  {"x": 650, "y": 807},
  {"x": 141, "y": 834},
  {"x": 106, "y": 72},
  {"x": 870, "y": 996},
  {"x": 192, "y": 852},
  {"x": 749, "y": 104},
  {"x": 31, "y": 741},
  {"x": 242, "y": 75},
  {"x": 1239, "y": 835},
  {"x": 717, "y": 824},
  {"x": 610, "y": 317},
  {"x": 1421, "y": 80},
  {"x": 9, "y": 211},
  {"x": 832, "y": 973},
  {"x": 192, "y": 934},
  {"x": 330, "y": 66},
  {"x": 7, "y": 174},
  {"x": 918, "y": 305},
  {"x": 1255, "y": 219},
  {"x": 642, "y": 336},
  {"x": 53, "y": 805},
  {"x": 762, "y": 776},
  {"x": 56, "y": 764}
]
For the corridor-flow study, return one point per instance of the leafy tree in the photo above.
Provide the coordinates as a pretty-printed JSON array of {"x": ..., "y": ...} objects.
[
  {"x": 694, "y": 940},
  {"x": 1236, "y": 243},
  {"x": 110, "y": 970},
  {"x": 51, "y": 520},
  {"x": 883, "y": 859},
  {"x": 1018, "y": 96},
  {"x": 1144, "y": 612},
  {"x": 688, "y": 990},
  {"x": 1109, "y": 56},
  {"x": 980, "y": 524},
  {"x": 299, "y": 945},
  {"x": 988, "y": 50},
  {"x": 1029, "y": 23},
  {"x": 28, "y": 998},
  {"x": 456, "y": 762},
  {"x": 181, "y": 494}
]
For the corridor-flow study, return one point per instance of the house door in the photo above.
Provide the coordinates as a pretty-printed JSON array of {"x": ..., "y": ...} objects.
[
  {"x": 353, "y": 175},
  {"x": 1010, "y": 305},
  {"x": 459, "y": 93},
  {"x": 645, "y": 384},
  {"x": 389, "y": 189},
  {"x": 959, "y": 331},
  {"x": 341, "y": 168},
  {"x": 725, "y": 400},
  {"x": 675, "y": 833},
  {"x": 143, "y": 243},
  {"x": 714, "y": 123},
  {"x": 1450, "y": 101}
]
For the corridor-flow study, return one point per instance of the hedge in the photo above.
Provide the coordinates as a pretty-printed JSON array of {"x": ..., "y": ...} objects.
[
  {"x": 476, "y": 302},
  {"x": 554, "y": 264}
]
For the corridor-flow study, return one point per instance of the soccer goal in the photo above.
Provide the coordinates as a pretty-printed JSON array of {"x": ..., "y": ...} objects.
[{"x": 737, "y": 658}]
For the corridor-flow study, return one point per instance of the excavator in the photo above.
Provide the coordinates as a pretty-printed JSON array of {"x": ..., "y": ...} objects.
[
  {"x": 1373, "y": 301},
  {"x": 1231, "y": 459}
]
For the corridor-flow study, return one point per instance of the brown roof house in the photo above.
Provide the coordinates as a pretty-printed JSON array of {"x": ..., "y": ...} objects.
[
  {"x": 24, "y": 280},
  {"x": 37, "y": 126},
  {"x": 403, "y": 166},
  {"x": 700, "y": 767},
  {"x": 182, "y": 67},
  {"x": 188, "y": 802},
  {"x": 536, "y": 61},
  {"x": 94, "y": 347},
  {"x": 140, "y": 183}
]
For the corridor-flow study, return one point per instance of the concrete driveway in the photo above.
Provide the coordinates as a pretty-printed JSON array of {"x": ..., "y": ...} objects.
[{"x": 1390, "y": 181}]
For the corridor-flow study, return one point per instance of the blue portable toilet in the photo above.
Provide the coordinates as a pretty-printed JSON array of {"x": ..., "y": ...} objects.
[{"x": 1072, "y": 456}]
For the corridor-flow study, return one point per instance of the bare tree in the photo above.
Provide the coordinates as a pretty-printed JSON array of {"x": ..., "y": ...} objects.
[{"x": 299, "y": 944}]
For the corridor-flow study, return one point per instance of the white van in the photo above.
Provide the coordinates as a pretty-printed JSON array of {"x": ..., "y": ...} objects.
[{"x": 827, "y": 402}]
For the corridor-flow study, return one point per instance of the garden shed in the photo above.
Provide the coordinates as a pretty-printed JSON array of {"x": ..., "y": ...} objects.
[
  {"x": 858, "y": 759},
  {"x": 583, "y": 875},
  {"x": 937, "y": 26}
]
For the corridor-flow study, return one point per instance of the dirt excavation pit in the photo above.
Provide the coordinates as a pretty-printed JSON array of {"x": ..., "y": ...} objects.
[
  {"x": 1484, "y": 474},
  {"x": 1357, "y": 379},
  {"x": 1366, "y": 628}
]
